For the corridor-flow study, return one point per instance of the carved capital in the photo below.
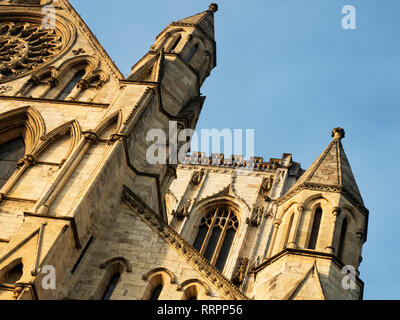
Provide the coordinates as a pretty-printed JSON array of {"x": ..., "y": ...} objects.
[
  {"x": 277, "y": 223},
  {"x": 91, "y": 137},
  {"x": 115, "y": 137},
  {"x": 17, "y": 291},
  {"x": 83, "y": 84},
  {"x": 52, "y": 82},
  {"x": 336, "y": 211},
  {"x": 29, "y": 161}
]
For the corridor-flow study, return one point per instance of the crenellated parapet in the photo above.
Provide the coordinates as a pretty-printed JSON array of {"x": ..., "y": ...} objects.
[{"x": 238, "y": 161}]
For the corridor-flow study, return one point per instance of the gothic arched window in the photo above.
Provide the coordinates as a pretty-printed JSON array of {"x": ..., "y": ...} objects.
[
  {"x": 342, "y": 238},
  {"x": 13, "y": 275},
  {"x": 154, "y": 287},
  {"x": 315, "y": 228},
  {"x": 192, "y": 52},
  {"x": 190, "y": 293},
  {"x": 71, "y": 85},
  {"x": 10, "y": 153},
  {"x": 111, "y": 286},
  {"x": 175, "y": 43},
  {"x": 155, "y": 293},
  {"x": 215, "y": 236}
]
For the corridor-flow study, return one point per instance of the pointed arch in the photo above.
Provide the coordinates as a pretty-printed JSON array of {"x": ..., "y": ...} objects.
[
  {"x": 145, "y": 71},
  {"x": 70, "y": 73},
  {"x": 70, "y": 129},
  {"x": 163, "y": 38},
  {"x": 315, "y": 228},
  {"x": 39, "y": 83},
  {"x": 109, "y": 125},
  {"x": 24, "y": 121},
  {"x": 13, "y": 272},
  {"x": 89, "y": 64}
]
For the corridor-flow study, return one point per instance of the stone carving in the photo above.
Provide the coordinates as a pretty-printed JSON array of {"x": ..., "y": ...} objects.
[
  {"x": 4, "y": 89},
  {"x": 267, "y": 184},
  {"x": 25, "y": 46},
  {"x": 183, "y": 212},
  {"x": 240, "y": 274},
  {"x": 196, "y": 179},
  {"x": 256, "y": 217}
]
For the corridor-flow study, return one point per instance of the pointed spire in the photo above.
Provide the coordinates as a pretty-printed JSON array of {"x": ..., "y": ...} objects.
[
  {"x": 203, "y": 20},
  {"x": 331, "y": 170}
]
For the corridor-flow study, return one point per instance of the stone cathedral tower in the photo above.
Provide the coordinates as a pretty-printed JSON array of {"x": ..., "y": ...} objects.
[{"x": 84, "y": 215}]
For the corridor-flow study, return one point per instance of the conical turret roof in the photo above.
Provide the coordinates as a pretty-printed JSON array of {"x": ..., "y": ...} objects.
[
  {"x": 331, "y": 170},
  {"x": 203, "y": 20}
]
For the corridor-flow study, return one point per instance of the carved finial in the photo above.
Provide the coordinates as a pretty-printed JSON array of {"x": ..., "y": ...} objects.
[
  {"x": 213, "y": 7},
  {"x": 338, "y": 134}
]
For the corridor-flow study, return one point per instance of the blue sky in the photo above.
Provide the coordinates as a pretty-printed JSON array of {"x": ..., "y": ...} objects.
[{"x": 288, "y": 70}]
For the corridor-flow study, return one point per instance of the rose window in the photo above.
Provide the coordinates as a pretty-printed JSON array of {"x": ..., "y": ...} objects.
[{"x": 25, "y": 46}]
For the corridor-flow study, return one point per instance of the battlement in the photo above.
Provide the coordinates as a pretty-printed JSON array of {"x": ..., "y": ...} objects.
[{"x": 238, "y": 161}]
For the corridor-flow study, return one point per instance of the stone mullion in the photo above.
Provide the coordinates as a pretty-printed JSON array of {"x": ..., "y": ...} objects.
[
  {"x": 331, "y": 248},
  {"x": 292, "y": 240},
  {"x": 220, "y": 240},
  {"x": 273, "y": 239},
  {"x": 12, "y": 180},
  {"x": 209, "y": 233}
]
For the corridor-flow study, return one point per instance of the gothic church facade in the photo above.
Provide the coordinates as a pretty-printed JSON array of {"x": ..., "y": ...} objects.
[{"x": 78, "y": 197}]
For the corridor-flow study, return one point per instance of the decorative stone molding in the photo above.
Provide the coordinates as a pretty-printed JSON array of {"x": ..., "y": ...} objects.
[
  {"x": 192, "y": 256},
  {"x": 155, "y": 271},
  {"x": 189, "y": 282},
  {"x": 121, "y": 260},
  {"x": 235, "y": 161},
  {"x": 4, "y": 89},
  {"x": 78, "y": 51}
]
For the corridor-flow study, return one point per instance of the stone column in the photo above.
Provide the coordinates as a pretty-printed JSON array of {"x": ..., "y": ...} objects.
[
  {"x": 292, "y": 244},
  {"x": 331, "y": 249},
  {"x": 277, "y": 222}
]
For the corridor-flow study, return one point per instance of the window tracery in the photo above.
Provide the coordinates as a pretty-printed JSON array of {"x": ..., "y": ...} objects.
[
  {"x": 216, "y": 234},
  {"x": 25, "y": 46}
]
